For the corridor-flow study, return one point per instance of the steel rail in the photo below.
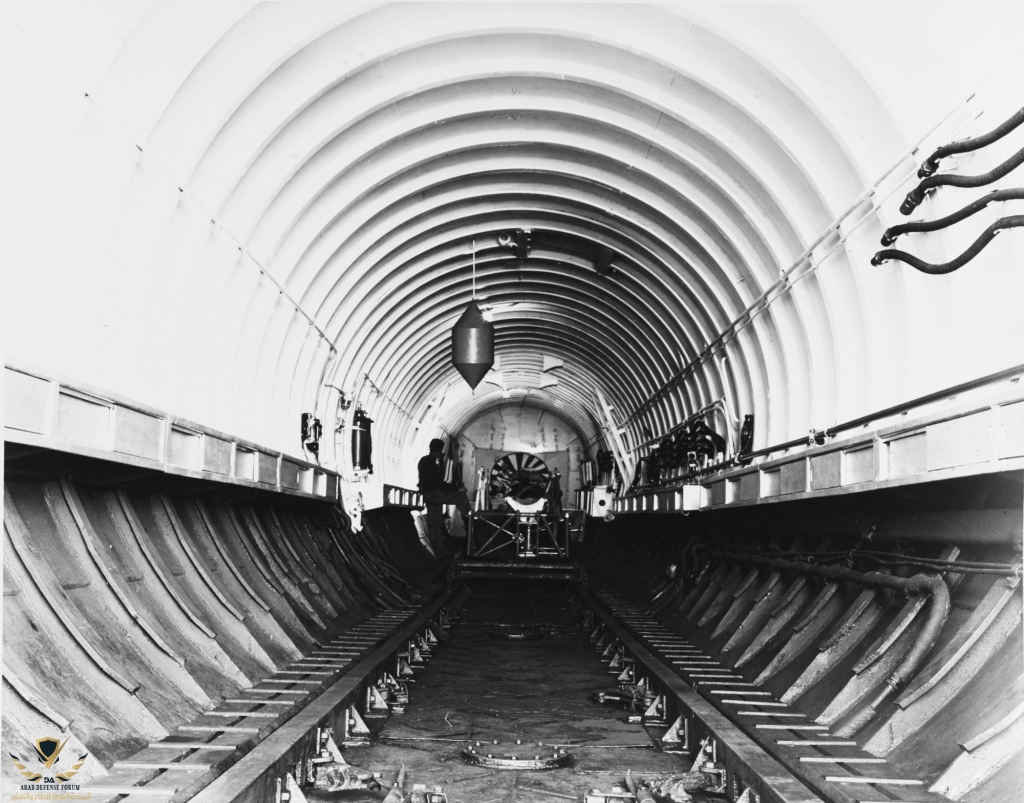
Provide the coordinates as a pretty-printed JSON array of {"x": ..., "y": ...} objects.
[
  {"x": 1010, "y": 373},
  {"x": 896, "y": 409},
  {"x": 278, "y": 750},
  {"x": 771, "y": 780},
  {"x": 756, "y": 751}
]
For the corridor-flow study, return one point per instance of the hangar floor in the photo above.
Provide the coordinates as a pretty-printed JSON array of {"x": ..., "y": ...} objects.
[{"x": 517, "y": 666}]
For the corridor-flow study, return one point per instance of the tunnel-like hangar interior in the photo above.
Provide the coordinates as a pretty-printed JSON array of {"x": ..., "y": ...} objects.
[{"x": 713, "y": 307}]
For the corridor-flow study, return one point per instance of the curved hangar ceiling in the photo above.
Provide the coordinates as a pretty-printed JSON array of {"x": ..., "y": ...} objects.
[{"x": 331, "y": 183}]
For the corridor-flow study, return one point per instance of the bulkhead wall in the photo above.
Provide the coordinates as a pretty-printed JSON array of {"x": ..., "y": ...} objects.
[{"x": 526, "y": 428}]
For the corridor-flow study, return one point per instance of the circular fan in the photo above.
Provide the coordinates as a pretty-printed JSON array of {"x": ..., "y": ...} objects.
[{"x": 521, "y": 476}]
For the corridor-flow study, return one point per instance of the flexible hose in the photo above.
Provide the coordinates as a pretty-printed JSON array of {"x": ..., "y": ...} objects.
[
  {"x": 916, "y": 195},
  {"x": 931, "y": 164},
  {"x": 886, "y": 558},
  {"x": 893, "y": 232},
  {"x": 1000, "y": 571},
  {"x": 938, "y": 269},
  {"x": 909, "y": 585},
  {"x": 937, "y": 613}
]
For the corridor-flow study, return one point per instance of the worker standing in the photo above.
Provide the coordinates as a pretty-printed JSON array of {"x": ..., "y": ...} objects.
[{"x": 437, "y": 493}]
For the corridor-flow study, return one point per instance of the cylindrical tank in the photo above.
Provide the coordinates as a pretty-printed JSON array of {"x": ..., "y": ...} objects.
[{"x": 362, "y": 441}]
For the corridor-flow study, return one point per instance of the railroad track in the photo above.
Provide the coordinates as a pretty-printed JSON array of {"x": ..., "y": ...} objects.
[
  {"x": 770, "y": 752},
  {"x": 245, "y": 747},
  {"x": 253, "y": 746}
]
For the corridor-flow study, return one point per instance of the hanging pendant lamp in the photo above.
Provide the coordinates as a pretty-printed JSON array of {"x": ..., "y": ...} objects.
[{"x": 473, "y": 340}]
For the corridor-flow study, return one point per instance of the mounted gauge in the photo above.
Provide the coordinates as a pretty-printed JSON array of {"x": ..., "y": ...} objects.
[{"x": 521, "y": 476}]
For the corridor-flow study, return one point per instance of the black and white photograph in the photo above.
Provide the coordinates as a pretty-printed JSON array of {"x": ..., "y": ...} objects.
[{"x": 594, "y": 401}]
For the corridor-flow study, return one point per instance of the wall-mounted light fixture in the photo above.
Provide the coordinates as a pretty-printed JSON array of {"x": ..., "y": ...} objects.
[
  {"x": 311, "y": 431},
  {"x": 344, "y": 401}
]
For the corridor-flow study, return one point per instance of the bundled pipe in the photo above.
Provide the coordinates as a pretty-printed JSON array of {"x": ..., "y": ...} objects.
[
  {"x": 940, "y": 268},
  {"x": 931, "y": 164},
  {"x": 909, "y": 585},
  {"x": 890, "y": 235},
  {"x": 938, "y": 611},
  {"x": 916, "y": 195}
]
